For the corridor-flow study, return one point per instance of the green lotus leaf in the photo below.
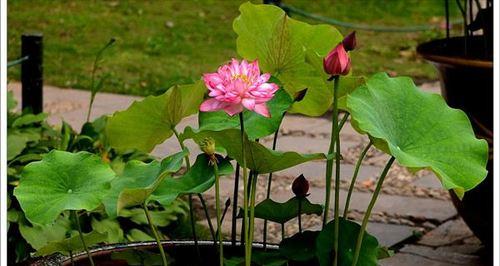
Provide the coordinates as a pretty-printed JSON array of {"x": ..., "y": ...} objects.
[
  {"x": 257, "y": 126},
  {"x": 62, "y": 181},
  {"x": 420, "y": 130},
  {"x": 384, "y": 253},
  {"x": 111, "y": 227},
  {"x": 149, "y": 122},
  {"x": 349, "y": 231},
  {"x": 165, "y": 217},
  {"x": 139, "y": 177},
  {"x": 280, "y": 44},
  {"x": 29, "y": 119},
  {"x": 234, "y": 261},
  {"x": 38, "y": 236},
  {"x": 283, "y": 212},
  {"x": 136, "y": 235},
  {"x": 268, "y": 258},
  {"x": 72, "y": 244},
  {"x": 18, "y": 139},
  {"x": 300, "y": 247},
  {"x": 198, "y": 179},
  {"x": 347, "y": 84},
  {"x": 258, "y": 157},
  {"x": 135, "y": 258}
]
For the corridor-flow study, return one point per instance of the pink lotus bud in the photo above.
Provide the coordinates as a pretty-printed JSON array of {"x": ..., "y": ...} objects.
[
  {"x": 300, "y": 186},
  {"x": 337, "y": 62},
  {"x": 349, "y": 41}
]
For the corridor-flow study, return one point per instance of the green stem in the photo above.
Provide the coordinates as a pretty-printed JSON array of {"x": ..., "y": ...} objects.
[
  {"x": 269, "y": 182},
  {"x": 71, "y": 258},
  {"x": 299, "y": 216},
  {"x": 329, "y": 161},
  {"x": 235, "y": 205},
  {"x": 342, "y": 121},
  {"x": 282, "y": 231},
  {"x": 337, "y": 172},
  {"x": 207, "y": 215},
  {"x": 218, "y": 210},
  {"x": 354, "y": 177},
  {"x": 155, "y": 233},
  {"x": 186, "y": 158},
  {"x": 245, "y": 196},
  {"x": 369, "y": 210},
  {"x": 91, "y": 103},
  {"x": 193, "y": 225},
  {"x": 77, "y": 219},
  {"x": 253, "y": 192},
  {"x": 94, "y": 69}
]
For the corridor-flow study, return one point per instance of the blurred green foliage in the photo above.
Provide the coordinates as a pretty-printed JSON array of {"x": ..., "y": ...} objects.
[{"x": 162, "y": 43}]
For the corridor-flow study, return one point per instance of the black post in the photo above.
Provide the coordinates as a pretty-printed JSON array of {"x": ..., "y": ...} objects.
[{"x": 32, "y": 72}]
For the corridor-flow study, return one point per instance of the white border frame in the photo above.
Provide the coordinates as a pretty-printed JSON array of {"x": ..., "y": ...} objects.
[
  {"x": 3, "y": 130},
  {"x": 496, "y": 128},
  {"x": 3, "y": 135}
]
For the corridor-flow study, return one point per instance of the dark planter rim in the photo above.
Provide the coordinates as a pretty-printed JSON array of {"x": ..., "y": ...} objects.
[
  {"x": 429, "y": 52},
  {"x": 59, "y": 259}
]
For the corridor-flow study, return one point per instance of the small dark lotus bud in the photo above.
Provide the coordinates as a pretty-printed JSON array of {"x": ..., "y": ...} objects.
[
  {"x": 300, "y": 186},
  {"x": 228, "y": 202},
  {"x": 299, "y": 96},
  {"x": 349, "y": 41}
]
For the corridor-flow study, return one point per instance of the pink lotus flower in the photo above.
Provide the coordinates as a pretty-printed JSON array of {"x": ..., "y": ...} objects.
[
  {"x": 337, "y": 62},
  {"x": 236, "y": 86}
]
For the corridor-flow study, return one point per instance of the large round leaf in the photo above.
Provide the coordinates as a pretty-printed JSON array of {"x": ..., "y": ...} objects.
[
  {"x": 349, "y": 231},
  {"x": 139, "y": 176},
  {"x": 283, "y": 212},
  {"x": 198, "y": 179},
  {"x": 257, "y": 126},
  {"x": 18, "y": 139},
  {"x": 149, "y": 122},
  {"x": 258, "y": 157},
  {"x": 73, "y": 243},
  {"x": 39, "y": 236},
  {"x": 111, "y": 227},
  {"x": 300, "y": 247},
  {"x": 280, "y": 44},
  {"x": 420, "y": 130},
  {"x": 62, "y": 181}
]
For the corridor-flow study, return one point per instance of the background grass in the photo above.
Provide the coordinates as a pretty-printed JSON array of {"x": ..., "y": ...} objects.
[{"x": 161, "y": 43}]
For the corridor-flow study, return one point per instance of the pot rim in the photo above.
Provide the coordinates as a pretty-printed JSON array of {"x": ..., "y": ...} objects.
[
  {"x": 59, "y": 259},
  {"x": 425, "y": 50}
]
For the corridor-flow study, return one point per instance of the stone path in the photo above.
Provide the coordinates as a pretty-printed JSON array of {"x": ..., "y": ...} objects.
[{"x": 409, "y": 206}]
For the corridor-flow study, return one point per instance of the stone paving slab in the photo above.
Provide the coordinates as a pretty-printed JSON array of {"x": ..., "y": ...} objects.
[
  {"x": 72, "y": 105},
  {"x": 314, "y": 171},
  {"x": 389, "y": 235},
  {"x": 398, "y": 233},
  {"x": 450, "y": 232},
  {"x": 406, "y": 259},
  {"x": 421, "y": 208},
  {"x": 428, "y": 181},
  {"x": 435, "y": 257}
]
